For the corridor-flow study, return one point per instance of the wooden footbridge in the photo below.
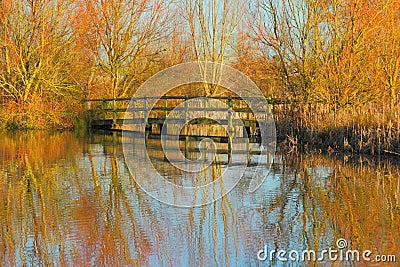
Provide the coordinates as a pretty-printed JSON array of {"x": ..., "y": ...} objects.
[
  {"x": 225, "y": 120},
  {"x": 116, "y": 114}
]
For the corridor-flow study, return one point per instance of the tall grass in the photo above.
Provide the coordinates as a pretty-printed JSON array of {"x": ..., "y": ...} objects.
[{"x": 368, "y": 129}]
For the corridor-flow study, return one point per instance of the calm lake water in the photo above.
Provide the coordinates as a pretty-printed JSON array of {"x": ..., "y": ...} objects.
[{"x": 69, "y": 200}]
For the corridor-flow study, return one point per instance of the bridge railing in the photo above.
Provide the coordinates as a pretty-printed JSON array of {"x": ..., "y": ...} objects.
[{"x": 166, "y": 104}]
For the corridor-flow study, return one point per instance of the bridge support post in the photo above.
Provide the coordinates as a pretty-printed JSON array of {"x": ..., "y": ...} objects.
[
  {"x": 186, "y": 121},
  {"x": 186, "y": 147},
  {"x": 146, "y": 113},
  {"x": 165, "y": 106},
  {"x": 133, "y": 115},
  {"x": 114, "y": 114},
  {"x": 230, "y": 129}
]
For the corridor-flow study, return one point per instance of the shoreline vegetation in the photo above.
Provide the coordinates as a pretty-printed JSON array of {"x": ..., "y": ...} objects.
[
  {"x": 336, "y": 63},
  {"x": 362, "y": 130}
]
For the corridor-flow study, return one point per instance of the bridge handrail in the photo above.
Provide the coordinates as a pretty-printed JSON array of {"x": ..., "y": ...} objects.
[{"x": 270, "y": 100}]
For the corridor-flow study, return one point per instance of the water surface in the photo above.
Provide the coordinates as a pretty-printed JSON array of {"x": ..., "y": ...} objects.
[{"x": 68, "y": 200}]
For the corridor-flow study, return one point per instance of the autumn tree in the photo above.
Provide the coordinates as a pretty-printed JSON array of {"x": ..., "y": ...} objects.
[
  {"x": 291, "y": 33},
  {"x": 388, "y": 34},
  {"x": 125, "y": 39},
  {"x": 178, "y": 41},
  {"x": 35, "y": 49},
  {"x": 212, "y": 25}
]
